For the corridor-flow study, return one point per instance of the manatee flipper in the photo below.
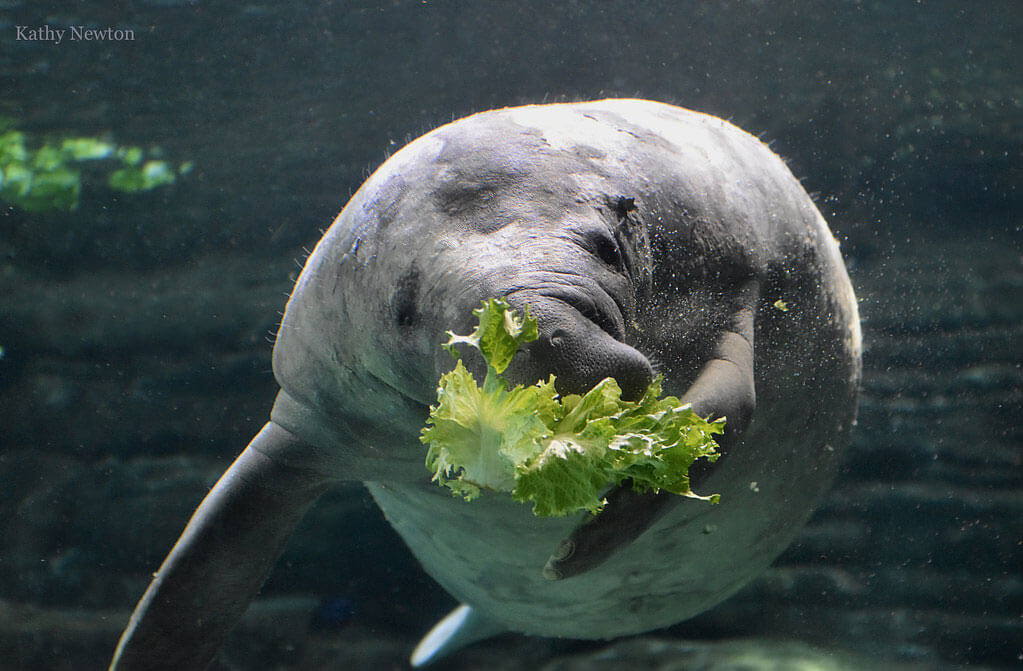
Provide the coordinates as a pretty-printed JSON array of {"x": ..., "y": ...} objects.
[
  {"x": 221, "y": 560},
  {"x": 724, "y": 387},
  {"x": 460, "y": 628}
]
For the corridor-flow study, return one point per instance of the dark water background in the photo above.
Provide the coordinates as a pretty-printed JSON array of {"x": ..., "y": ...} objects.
[{"x": 135, "y": 330}]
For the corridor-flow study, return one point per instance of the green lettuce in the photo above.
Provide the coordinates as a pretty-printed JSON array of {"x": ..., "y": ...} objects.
[
  {"x": 561, "y": 453},
  {"x": 49, "y": 177}
]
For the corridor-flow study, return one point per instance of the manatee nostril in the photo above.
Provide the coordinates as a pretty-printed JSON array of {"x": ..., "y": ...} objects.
[{"x": 557, "y": 336}]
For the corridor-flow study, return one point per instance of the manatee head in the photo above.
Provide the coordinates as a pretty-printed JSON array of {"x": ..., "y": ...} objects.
[{"x": 452, "y": 219}]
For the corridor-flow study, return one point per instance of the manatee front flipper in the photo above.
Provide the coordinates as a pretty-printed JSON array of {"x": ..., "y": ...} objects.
[
  {"x": 460, "y": 628},
  {"x": 724, "y": 388},
  {"x": 221, "y": 560}
]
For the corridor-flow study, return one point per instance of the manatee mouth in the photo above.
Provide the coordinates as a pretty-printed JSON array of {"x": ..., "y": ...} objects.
[{"x": 580, "y": 343}]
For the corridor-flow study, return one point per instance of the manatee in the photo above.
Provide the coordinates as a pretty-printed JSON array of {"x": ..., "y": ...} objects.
[{"x": 646, "y": 239}]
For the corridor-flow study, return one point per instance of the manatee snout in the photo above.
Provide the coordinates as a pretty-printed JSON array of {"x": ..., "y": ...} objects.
[{"x": 577, "y": 348}]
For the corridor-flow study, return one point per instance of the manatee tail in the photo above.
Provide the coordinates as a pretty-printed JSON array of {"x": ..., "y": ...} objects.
[
  {"x": 460, "y": 628},
  {"x": 221, "y": 560}
]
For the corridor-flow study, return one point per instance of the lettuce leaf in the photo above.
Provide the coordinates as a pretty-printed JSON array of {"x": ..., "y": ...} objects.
[{"x": 560, "y": 453}]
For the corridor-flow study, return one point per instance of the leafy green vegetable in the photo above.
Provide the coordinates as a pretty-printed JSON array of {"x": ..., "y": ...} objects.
[
  {"x": 87, "y": 148},
  {"x": 149, "y": 176},
  {"x": 49, "y": 177},
  {"x": 559, "y": 452}
]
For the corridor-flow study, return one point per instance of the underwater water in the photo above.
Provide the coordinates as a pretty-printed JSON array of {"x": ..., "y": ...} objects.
[{"x": 136, "y": 328}]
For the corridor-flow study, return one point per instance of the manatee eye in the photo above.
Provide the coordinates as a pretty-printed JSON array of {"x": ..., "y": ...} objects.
[{"x": 607, "y": 251}]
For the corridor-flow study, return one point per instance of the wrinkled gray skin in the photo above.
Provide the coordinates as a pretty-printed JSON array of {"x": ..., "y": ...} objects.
[{"x": 645, "y": 238}]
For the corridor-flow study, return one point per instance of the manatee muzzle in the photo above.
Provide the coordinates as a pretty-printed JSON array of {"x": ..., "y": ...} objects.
[{"x": 579, "y": 343}]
